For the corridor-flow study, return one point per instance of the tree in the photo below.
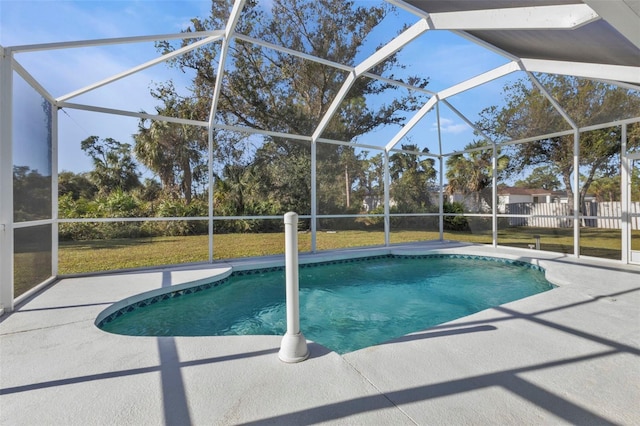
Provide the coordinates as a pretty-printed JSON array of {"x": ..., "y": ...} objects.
[
  {"x": 353, "y": 165},
  {"x": 275, "y": 91},
  {"x": 542, "y": 177},
  {"x": 281, "y": 173},
  {"x": 606, "y": 188},
  {"x": 113, "y": 165},
  {"x": 173, "y": 150},
  {"x": 78, "y": 185},
  {"x": 411, "y": 177},
  {"x": 527, "y": 113},
  {"x": 31, "y": 194},
  {"x": 635, "y": 180},
  {"x": 472, "y": 173},
  {"x": 339, "y": 172},
  {"x": 372, "y": 180}
]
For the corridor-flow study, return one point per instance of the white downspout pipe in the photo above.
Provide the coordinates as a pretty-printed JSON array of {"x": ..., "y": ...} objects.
[{"x": 294, "y": 346}]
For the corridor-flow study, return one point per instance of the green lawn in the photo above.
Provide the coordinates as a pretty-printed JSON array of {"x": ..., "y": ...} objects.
[{"x": 100, "y": 255}]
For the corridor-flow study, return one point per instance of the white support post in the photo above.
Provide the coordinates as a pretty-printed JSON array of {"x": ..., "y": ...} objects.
[
  {"x": 625, "y": 182},
  {"x": 6, "y": 181},
  {"x": 211, "y": 187},
  {"x": 54, "y": 190},
  {"x": 314, "y": 195},
  {"x": 387, "y": 183},
  {"x": 441, "y": 198},
  {"x": 294, "y": 346},
  {"x": 576, "y": 192},
  {"x": 441, "y": 177},
  {"x": 494, "y": 195}
]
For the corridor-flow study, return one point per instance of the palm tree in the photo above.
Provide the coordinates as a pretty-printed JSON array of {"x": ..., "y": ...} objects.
[
  {"x": 172, "y": 150},
  {"x": 113, "y": 166},
  {"x": 410, "y": 179},
  {"x": 472, "y": 172}
]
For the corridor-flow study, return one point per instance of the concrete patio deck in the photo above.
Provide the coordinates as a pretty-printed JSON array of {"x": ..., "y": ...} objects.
[{"x": 567, "y": 356}]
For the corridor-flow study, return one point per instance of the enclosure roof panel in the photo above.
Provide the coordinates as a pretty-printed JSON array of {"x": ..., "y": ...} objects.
[{"x": 613, "y": 38}]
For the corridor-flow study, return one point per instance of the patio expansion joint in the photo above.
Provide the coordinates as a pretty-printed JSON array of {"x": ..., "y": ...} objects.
[
  {"x": 364, "y": 377},
  {"x": 11, "y": 333}
]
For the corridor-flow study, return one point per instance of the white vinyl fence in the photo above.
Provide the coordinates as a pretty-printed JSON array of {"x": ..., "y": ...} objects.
[{"x": 605, "y": 215}]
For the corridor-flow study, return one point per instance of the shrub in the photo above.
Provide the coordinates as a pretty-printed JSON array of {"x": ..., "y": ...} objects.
[{"x": 455, "y": 223}]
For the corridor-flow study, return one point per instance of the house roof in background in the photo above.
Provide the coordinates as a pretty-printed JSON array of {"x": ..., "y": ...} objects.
[{"x": 514, "y": 190}]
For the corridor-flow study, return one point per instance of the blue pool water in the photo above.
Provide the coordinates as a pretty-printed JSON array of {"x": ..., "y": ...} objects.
[{"x": 345, "y": 305}]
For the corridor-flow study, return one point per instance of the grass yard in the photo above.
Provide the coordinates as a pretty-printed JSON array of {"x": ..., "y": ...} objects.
[
  {"x": 30, "y": 269},
  {"x": 102, "y": 255}
]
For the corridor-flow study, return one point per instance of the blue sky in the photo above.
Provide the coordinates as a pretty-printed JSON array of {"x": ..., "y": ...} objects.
[{"x": 444, "y": 58}]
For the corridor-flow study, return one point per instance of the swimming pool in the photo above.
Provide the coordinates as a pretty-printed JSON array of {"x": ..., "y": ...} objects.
[{"x": 345, "y": 305}]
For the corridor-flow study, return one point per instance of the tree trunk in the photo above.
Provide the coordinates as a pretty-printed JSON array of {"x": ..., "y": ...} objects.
[
  {"x": 566, "y": 180},
  {"x": 186, "y": 182}
]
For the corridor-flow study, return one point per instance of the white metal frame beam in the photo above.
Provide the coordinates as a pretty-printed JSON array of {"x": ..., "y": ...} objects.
[
  {"x": 22, "y": 72},
  {"x": 582, "y": 69},
  {"x": 451, "y": 91},
  {"x": 387, "y": 50},
  {"x": 553, "y": 101},
  {"x": 125, "y": 113},
  {"x": 479, "y": 80},
  {"x": 140, "y": 67},
  {"x": 550, "y": 17},
  {"x": 347, "y": 68},
  {"x": 112, "y": 41},
  {"x": 224, "y": 51},
  {"x": 412, "y": 122},
  {"x": 466, "y": 120},
  {"x": 380, "y": 55},
  {"x": 6, "y": 181}
]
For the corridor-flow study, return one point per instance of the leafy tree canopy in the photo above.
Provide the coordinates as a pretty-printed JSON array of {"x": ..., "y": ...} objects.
[
  {"x": 78, "y": 185},
  {"x": 526, "y": 112},
  {"x": 175, "y": 152},
  {"x": 412, "y": 175},
  {"x": 542, "y": 177},
  {"x": 275, "y": 91},
  {"x": 270, "y": 90},
  {"x": 471, "y": 173},
  {"x": 113, "y": 165}
]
